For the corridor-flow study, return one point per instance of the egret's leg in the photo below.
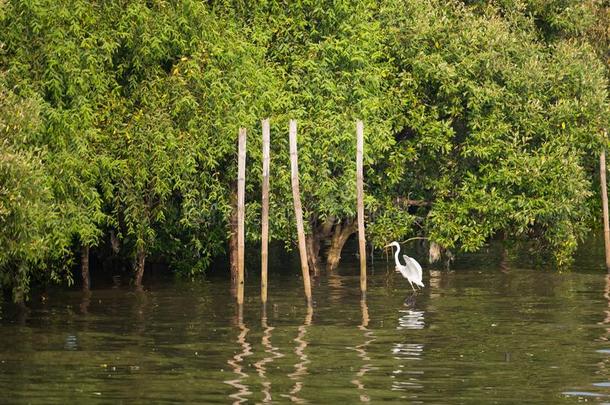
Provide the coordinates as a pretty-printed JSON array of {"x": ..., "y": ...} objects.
[{"x": 411, "y": 284}]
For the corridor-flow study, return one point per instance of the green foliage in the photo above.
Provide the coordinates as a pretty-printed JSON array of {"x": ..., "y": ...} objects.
[
  {"x": 141, "y": 109},
  {"x": 57, "y": 51},
  {"x": 28, "y": 214},
  {"x": 330, "y": 57},
  {"x": 513, "y": 121},
  {"x": 335, "y": 74},
  {"x": 190, "y": 81},
  {"x": 124, "y": 117}
]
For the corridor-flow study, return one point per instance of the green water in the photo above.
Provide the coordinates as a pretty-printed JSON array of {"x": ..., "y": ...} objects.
[{"x": 489, "y": 331}]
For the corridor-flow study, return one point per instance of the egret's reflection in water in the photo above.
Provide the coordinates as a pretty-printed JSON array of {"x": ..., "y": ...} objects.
[
  {"x": 405, "y": 377},
  {"x": 410, "y": 319}
]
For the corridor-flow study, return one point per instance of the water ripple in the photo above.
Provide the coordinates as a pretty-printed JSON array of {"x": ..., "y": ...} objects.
[{"x": 236, "y": 365}]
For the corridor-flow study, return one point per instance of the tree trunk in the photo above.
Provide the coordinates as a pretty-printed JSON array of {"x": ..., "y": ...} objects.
[
  {"x": 19, "y": 296},
  {"x": 115, "y": 243},
  {"x": 313, "y": 251},
  {"x": 19, "y": 289},
  {"x": 314, "y": 241},
  {"x": 233, "y": 240},
  {"x": 84, "y": 266},
  {"x": 327, "y": 227},
  {"x": 340, "y": 235},
  {"x": 140, "y": 261}
]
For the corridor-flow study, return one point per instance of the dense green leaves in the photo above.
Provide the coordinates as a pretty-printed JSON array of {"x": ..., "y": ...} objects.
[
  {"x": 482, "y": 119},
  {"x": 27, "y": 214},
  {"x": 517, "y": 121}
]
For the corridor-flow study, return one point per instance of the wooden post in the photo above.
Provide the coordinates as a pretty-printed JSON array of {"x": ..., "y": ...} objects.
[
  {"x": 233, "y": 239},
  {"x": 265, "y": 211},
  {"x": 298, "y": 211},
  {"x": 241, "y": 200},
  {"x": 360, "y": 201},
  {"x": 604, "y": 190}
]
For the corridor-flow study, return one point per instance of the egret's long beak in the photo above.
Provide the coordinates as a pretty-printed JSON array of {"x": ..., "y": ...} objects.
[{"x": 387, "y": 246}]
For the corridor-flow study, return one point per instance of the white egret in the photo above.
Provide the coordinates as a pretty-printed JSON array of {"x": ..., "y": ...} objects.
[{"x": 411, "y": 270}]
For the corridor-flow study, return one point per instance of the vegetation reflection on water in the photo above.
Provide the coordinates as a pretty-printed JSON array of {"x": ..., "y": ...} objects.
[{"x": 486, "y": 331}]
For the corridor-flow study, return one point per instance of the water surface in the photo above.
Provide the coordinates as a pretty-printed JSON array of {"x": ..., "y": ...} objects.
[{"x": 489, "y": 331}]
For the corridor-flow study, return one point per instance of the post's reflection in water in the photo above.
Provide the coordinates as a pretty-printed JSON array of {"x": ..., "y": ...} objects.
[
  {"x": 602, "y": 364},
  {"x": 85, "y": 301},
  {"x": 236, "y": 362},
  {"x": 140, "y": 309},
  {"x": 361, "y": 350},
  {"x": 408, "y": 378},
  {"x": 607, "y": 311},
  {"x": 271, "y": 352},
  {"x": 504, "y": 261},
  {"x": 300, "y": 368}
]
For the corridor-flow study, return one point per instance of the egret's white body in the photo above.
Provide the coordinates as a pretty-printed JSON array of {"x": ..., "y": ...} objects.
[{"x": 411, "y": 270}]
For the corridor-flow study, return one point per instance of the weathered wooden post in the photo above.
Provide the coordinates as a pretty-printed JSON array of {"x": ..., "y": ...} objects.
[
  {"x": 360, "y": 202},
  {"x": 241, "y": 213},
  {"x": 298, "y": 211},
  {"x": 265, "y": 211},
  {"x": 604, "y": 191}
]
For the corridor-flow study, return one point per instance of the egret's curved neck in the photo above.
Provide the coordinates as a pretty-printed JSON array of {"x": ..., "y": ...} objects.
[{"x": 396, "y": 255}]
